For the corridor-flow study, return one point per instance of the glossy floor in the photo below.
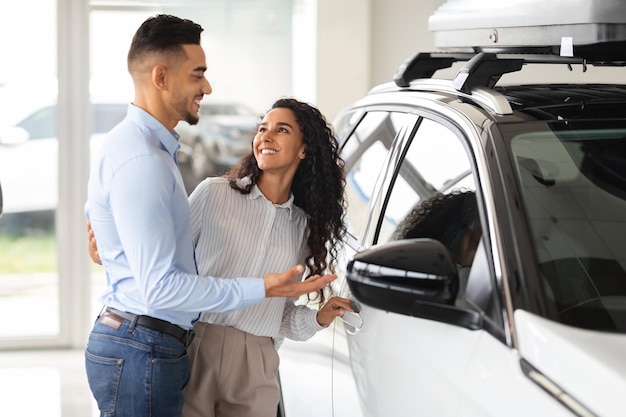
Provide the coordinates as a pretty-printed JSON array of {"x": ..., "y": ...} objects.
[{"x": 45, "y": 383}]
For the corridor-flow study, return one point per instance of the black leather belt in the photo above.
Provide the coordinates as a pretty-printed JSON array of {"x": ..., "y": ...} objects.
[{"x": 185, "y": 336}]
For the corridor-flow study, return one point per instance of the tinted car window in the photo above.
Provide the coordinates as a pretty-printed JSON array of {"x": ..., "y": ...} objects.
[
  {"x": 573, "y": 179},
  {"x": 435, "y": 163},
  {"x": 434, "y": 196}
]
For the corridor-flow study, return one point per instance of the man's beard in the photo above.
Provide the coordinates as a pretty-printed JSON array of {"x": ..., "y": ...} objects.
[
  {"x": 191, "y": 119},
  {"x": 181, "y": 106}
]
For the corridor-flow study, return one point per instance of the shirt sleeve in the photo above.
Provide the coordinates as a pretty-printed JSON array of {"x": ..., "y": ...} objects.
[
  {"x": 299, "y": 321},
  {"x": 144, "y": 220}
]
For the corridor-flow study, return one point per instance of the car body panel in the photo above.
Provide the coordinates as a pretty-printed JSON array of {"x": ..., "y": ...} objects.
[
  {"x": 459, "y": 372},
  {"x": 587, "y": 365}
]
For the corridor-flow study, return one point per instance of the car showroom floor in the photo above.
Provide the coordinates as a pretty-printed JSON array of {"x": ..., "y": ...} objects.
[{"x": 45, "y": 383}]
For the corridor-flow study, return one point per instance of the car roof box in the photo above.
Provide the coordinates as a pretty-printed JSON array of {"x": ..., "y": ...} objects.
[{"x": 594, "y": 30}]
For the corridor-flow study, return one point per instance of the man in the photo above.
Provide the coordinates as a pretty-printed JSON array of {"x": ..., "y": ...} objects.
[{"x": 136, "y": 358}]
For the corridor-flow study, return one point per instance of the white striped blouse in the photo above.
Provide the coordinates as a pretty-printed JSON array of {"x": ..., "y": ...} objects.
[{"x": 246, "y": 235}]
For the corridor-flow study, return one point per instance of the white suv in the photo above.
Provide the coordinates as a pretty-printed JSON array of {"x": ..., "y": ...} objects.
[{"x": 485, "y": 248}]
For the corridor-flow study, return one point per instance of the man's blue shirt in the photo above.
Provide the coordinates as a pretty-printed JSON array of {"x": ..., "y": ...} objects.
[{"x": 138, "y": 209}]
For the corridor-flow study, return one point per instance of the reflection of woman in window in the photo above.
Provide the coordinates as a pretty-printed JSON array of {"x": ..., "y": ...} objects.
[{"x": 451, "y": 219}]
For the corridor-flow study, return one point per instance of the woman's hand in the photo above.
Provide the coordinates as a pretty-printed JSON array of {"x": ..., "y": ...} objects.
[
  {"x": 91, "y": 246},
  {"x": 334, "y": 307}
]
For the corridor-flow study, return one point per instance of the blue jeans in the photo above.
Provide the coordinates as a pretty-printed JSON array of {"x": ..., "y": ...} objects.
[{"x": 135, "y": 371}]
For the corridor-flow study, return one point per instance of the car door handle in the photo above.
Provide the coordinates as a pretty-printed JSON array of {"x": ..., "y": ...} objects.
[{"x": 352, "y": 320}]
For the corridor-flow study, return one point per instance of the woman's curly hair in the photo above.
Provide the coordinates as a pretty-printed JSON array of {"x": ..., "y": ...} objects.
[
  {"x": 444, "y": 217},
  {"x": 318, "y": 185}
]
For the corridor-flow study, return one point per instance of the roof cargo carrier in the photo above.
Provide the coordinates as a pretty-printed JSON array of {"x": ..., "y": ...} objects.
[{"x": 592, "y": 30}]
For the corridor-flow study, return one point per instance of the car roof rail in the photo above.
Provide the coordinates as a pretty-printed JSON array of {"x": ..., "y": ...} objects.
[
  {"x": 483, "y": 69},
  {"x": 425, "y": 64}
]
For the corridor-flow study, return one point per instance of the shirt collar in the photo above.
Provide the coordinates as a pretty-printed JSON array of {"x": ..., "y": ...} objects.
[
  {"x": 256, "y": 193},
  {"x": 167, "y": 138}
]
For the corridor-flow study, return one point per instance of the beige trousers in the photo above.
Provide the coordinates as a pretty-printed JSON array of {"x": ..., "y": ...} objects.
[{"x": 233, "y": 374}]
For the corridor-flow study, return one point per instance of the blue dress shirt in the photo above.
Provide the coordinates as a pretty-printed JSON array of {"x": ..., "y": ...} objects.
[{"x": 139, "y": 212}]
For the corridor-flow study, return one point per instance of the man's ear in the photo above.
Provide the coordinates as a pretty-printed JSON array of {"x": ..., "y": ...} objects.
[{"x": 159, "y": 76}]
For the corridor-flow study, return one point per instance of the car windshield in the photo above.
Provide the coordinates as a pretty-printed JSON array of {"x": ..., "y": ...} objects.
[{"x": 573, "y": 181}]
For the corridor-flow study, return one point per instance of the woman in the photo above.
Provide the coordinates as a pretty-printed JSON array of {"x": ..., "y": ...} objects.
[
  {"x": 451, "y": 219},
  {"x": 280, "y": 205}
]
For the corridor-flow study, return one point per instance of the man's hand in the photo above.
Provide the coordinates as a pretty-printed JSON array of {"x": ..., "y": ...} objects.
[
  {"x": 334, "y": 307},
  {"x": 282, "y": 285},
  {"x": 91, "y": 246}
]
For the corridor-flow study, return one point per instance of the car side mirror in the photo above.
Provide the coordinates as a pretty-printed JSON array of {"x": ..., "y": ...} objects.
[
  {"x": 413, "y": 277},
  {"x": 14, "y": 136}
]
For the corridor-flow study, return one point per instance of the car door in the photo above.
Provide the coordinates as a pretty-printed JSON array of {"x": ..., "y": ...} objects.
[
  {"x": 373, "y": 145},
  {"x": 428, "y": 345},
  {"x": 400, "y": 362}
]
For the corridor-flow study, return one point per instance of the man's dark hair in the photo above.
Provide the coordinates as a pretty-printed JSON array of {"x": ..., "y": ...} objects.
[{"x": 165, "y": 34}]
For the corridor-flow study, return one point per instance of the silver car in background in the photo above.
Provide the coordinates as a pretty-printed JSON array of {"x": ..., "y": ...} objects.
[{"x": 222, "y": 136}]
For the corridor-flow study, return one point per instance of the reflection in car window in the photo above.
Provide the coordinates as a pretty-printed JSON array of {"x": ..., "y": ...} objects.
[
  {"x": 364, "y": 153},
  {"x": 434, "y": 196},
  {"x": 441, "y": 158},
  {"x": 450, "y": 218},
  {"x": 344, "y": 123},
  {"x": 573, "y": 180},
  {"x": 436, "y": 162}
]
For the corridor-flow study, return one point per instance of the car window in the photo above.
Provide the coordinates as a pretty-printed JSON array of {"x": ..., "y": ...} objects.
[
  {"x": 344, "y": 123},
  {"x": 573, "y": 181},
  {"x": 433, "y": 196},
  {"x": 365, "y": 152},
  {"x": 436, "y": 163}
]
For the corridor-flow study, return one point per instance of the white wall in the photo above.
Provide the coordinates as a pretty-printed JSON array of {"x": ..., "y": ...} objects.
[
  {"x": 344, "y": 53},
  {"x": 390, "y": 31},
  {"x": 399, "y": 30},
  {"x": 360, "y": 43}
]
